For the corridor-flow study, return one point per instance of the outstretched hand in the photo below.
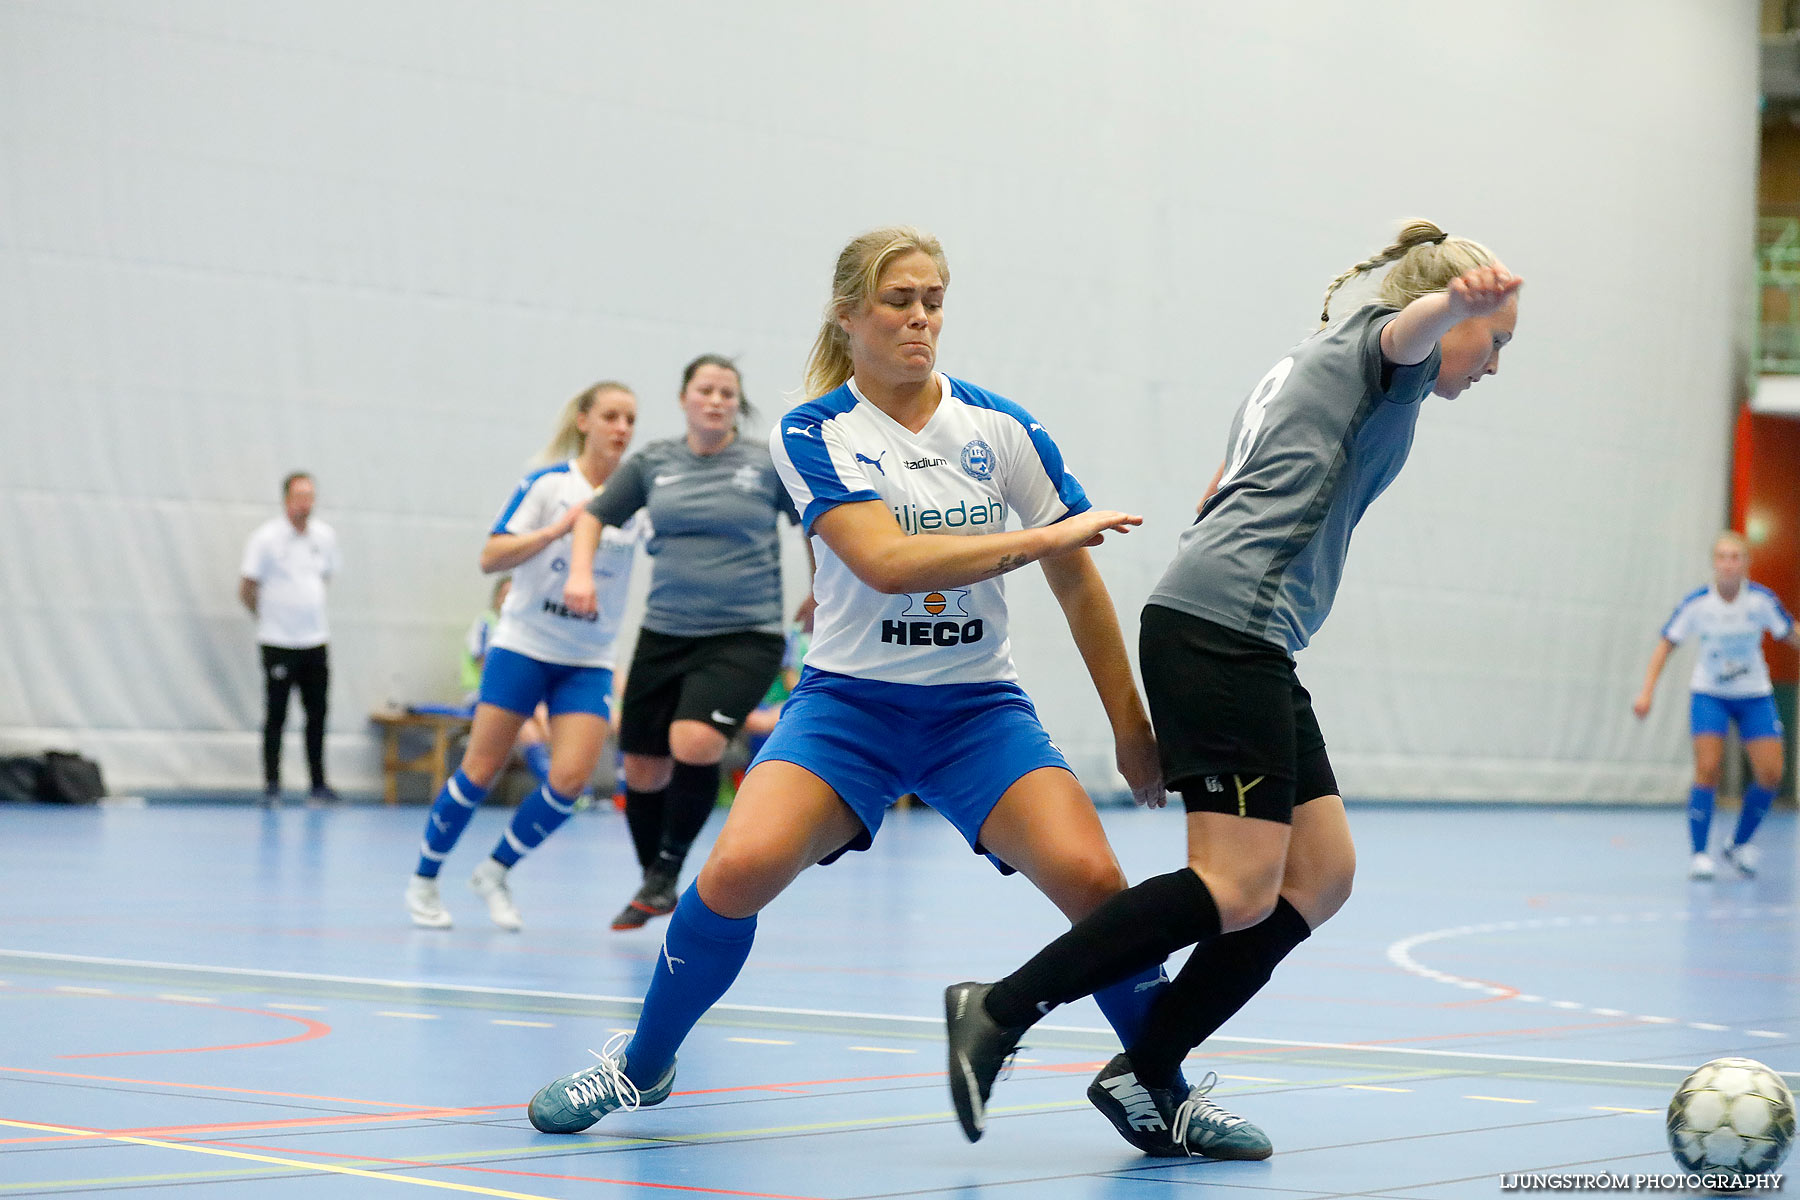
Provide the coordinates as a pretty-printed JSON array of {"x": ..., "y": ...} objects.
[
  {"x": 1482, "y": 291},
  {"x": 1091, "y": 527}
]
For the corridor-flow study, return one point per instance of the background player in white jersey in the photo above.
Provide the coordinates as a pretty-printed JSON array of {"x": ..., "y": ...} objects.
[
  {"x": 905, "y": 479},
  {"x": 1269, "y": 850},
  {"x": 711, "y": 639},
  {"x": 1730, "y": 683},
  {"x": 541, "y": 652}
]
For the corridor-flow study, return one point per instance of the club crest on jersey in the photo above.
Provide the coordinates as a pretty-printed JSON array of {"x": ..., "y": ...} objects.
[
  {"x": 978, "y": 460},
  {"x": 747, "y": 478},
  {"x": 948, "y": 603}
]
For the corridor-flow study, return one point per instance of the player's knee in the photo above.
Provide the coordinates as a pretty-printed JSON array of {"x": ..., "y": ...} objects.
[
  {"x": 1706, "y": 775},
  {"x": 481, "y": 769},
  {"x": 566, "y": 780},
  {"x": 1085, "y": 882},
  {"x": 1242, "y": 902},
  {"x": 1769, "y": 780},
  {"x": 737, "y": 880}
]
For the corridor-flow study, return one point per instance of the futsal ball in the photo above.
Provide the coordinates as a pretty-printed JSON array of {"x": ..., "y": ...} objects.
[{"x": 1732, "y": 1115}]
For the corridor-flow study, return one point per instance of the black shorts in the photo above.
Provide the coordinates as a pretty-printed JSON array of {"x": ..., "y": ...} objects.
[
  {"x": 1234, "y": 727},
  {"x": 716, "y": 680}
]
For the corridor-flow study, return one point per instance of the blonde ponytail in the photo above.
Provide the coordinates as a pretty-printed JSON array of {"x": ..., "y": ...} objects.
[
  {"x": 568, "y": 442},
  {"x": 1425, "y": 260}
]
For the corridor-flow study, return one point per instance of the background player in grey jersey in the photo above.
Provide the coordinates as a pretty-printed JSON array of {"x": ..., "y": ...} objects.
[
  {"x": 712, "y": 639},
  {"x": 1269, "y": 850}
]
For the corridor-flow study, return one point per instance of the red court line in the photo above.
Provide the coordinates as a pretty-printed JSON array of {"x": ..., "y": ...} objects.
[
  {"x": 429, "y": 1166},
  {"x": 314, "y": 1030}
]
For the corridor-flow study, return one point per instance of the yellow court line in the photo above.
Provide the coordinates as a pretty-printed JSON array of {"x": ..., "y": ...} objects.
[
  {"x": 408, "y": 1016},
  {"x": 524, "y": 1024},
  {"x": 1251, "y": 1078},
  {"x": 760, "y": 1041},
  {"x": 327, "y": 1168},
  {"x": 1501, "y": 1099},
  {"x": 1369, "y": 1087},
  {"x": 1654, "y": 1112},
  {"x": 881, "y": 1049}
]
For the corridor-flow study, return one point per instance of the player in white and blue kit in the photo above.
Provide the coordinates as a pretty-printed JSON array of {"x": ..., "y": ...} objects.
[
  {"x": 1730, "y": 684},
  {"x": 541, "y": 652},
  {"x": 1269, "y": 858},
  {"x": 906, "y": 481}
]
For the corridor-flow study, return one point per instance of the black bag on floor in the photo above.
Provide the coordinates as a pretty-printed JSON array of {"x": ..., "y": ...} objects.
[
  {"x": 71, "y": 779},
  {"x": 21, "y": 779}
]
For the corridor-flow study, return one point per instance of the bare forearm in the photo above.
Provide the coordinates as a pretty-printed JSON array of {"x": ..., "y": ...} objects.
[
  {"x": 504, "y": 551},
  {"x": 927, "y": 561},
  {"x": 1658, "y": 657},
  {"x": 248, "y": 592},
  {"x": 582, "y": 545},
  {"x": 1094, "y": 624},
  {"x": 1409, "y": 337}
]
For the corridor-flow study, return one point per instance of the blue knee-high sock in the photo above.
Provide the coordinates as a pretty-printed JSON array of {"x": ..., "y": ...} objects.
[
  {"x": 456, "y": 802},
  {"x": 1126, "y": 1006},
  {"x": 1757, "y": 800},
  {"x": 538, "y": 816},
  {"x": 537, "y": 761},
  {"x": 701, "y": 957},
  {"x": 1700, "y": 806}
]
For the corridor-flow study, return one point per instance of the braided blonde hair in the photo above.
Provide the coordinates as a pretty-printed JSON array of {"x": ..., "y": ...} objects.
[
  {"x": 859, "y": 267},
  {"x": 1426, "y": 260}
]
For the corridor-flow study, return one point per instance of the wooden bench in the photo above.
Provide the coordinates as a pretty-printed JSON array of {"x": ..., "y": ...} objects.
[{"x": 442, "y": 728}]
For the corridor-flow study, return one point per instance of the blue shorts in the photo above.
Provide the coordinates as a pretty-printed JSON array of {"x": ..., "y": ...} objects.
[
  {"x": 1755, "y": 716},
  {"x": 519, "y": 683},
  {"x": 956, "y": 746}
]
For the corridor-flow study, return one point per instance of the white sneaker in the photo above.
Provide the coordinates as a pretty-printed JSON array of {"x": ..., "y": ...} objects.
[
  {"x": 489, "y": 882},
  {"x": 428, "y": 911},
  {"x": 1740, "y": 858},
  {"x": 1700, "y": 866}
]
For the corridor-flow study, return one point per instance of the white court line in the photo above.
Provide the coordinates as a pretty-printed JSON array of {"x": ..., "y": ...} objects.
[{"x": 897, "y": 1018}]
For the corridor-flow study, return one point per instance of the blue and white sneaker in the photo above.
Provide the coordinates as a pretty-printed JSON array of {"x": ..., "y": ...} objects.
[
  {"x": 1168, "y": 1124},
  {"x": 574, "y": 1102}
]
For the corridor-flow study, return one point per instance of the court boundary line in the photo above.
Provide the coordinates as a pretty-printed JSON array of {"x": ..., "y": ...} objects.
[{"x": 773, "y": 1010}]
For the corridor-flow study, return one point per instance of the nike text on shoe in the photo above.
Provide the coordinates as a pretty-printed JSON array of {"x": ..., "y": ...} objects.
[
  {"x": 489, "y": 882},
  {"x": 1165, "y": 1123},
  {"x": 574, "y": 1102},
  {"x": 424, "y": 906},
  {"x": 979, "y": 1049}
]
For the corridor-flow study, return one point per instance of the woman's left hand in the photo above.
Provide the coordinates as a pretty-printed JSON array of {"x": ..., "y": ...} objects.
[
  {"x": 803, "y": 616},
  {"x": 1135, "y": 753}
]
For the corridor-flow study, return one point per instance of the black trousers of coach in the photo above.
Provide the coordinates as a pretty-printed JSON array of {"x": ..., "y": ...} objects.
[{"x": 310, "y": 670}]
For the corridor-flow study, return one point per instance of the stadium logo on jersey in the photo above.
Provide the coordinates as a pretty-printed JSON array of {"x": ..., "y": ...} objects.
[
  {"x": 873, "y": 462},
  {"x": 978, "y": 460},
  {"x": 935, "y": 604},
  {"x": 920, "y": 464},
  {"x": 951, "y": 602}
]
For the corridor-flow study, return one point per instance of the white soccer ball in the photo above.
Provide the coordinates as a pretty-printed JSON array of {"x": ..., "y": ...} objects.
[{"x": 1732, "y": 1114}]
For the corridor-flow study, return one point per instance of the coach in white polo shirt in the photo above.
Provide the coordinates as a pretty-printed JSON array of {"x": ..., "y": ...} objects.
[{"x": 286, "y": 563}]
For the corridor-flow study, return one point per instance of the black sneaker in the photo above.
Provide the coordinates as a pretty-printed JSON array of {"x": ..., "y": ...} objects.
[
  {"x": 656, "y": 898},
  {"x": 979, "y": 1049},
  {"x": 1172, "y": 1123}
]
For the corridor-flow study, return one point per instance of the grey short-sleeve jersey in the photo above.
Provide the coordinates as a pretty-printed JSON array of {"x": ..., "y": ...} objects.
[
  {"x": 1322, "y": 435},
  {"x": 712, "y": 517}
]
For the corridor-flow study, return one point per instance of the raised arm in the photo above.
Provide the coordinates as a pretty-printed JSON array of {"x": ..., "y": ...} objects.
[
  {"x": 865, "y": 535},
  {"x": 1658, "y": 656},
  {"x": 1409, "y": 337},
  {"x": 1094, "y": 624}
]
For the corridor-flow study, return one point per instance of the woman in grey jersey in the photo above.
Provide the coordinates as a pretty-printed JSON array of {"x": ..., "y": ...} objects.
[
  {"x": 712, "y": 639},
  {"x": 1269, "y": 849}
]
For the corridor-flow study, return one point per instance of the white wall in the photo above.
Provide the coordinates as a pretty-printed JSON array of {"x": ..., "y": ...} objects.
[{"x": 384, "y": 241}]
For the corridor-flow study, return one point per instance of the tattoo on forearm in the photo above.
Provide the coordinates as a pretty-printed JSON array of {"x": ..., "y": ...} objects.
[{"x": 1008, "y": 562}]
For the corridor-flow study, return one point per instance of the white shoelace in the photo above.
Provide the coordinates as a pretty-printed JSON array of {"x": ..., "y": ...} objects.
[
  {"x": 1197, "y": 1105},
  {"x": 606, "y": 1078}
]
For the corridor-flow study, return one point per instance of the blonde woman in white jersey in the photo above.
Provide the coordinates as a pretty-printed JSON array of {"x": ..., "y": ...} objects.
[
  {"x": 905, "y": 480},
  {"x": 541, "y": 653},
  {"x": 1730, "y": 685}
]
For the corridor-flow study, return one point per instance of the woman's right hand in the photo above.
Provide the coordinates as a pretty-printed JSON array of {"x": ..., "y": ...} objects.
[
  {"x": 578, "y": 595},
  {"x": 1641, "y": 706},
  {"x": 1089, "y": 528}
]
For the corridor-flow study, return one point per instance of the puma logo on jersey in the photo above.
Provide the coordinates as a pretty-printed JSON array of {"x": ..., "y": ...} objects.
[
  {"x": 873, "y": 462},
  {"x": 802, "y": 430},
  {"x": 1140, "y": 1108}
]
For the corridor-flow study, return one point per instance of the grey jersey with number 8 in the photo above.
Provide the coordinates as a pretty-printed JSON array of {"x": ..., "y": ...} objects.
[{"x": 1322, "y": 435}]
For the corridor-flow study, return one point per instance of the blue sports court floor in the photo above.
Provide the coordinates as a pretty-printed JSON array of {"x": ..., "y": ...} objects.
[{"x": 217, "y": 1001}]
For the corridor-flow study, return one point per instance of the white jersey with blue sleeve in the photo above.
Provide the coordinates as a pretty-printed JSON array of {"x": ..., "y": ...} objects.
[
  {"x": 1730, "y": 664},
  {"x": 979, "y": 461},
  {"x": 533, "y": 621}
]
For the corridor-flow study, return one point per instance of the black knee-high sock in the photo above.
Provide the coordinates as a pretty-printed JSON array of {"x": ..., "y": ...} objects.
[
  {"x": 644, "y": 816},
  {"x": 1137, "y": 928},
  {"x": 1218, "y": 979},
  {"x": 693, "y": 792}
]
